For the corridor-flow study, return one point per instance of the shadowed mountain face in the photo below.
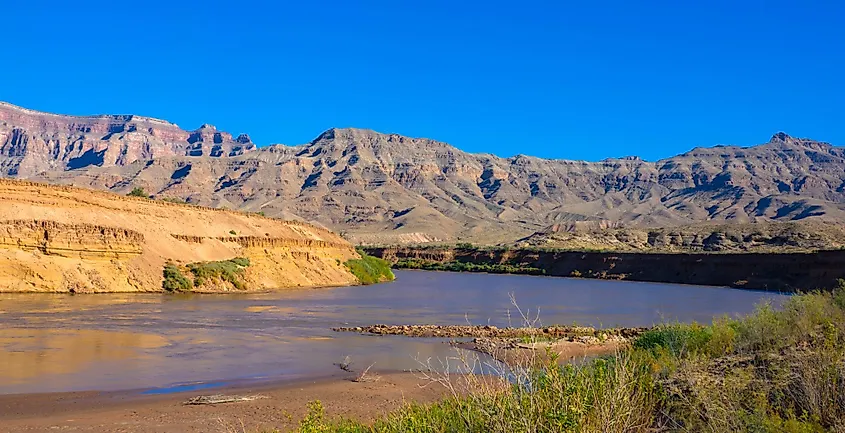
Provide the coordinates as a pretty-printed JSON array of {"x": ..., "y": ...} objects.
[{"x": 386, "y": 188}]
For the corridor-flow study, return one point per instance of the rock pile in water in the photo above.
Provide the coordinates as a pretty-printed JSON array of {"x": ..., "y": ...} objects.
[{"x": 489, "y": 331}]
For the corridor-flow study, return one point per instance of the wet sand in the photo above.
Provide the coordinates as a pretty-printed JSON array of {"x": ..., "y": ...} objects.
[{"x": 285, "y": 404}]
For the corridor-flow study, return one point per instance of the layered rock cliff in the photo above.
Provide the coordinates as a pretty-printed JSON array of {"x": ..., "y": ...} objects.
[{"x": 67, "y": 239}]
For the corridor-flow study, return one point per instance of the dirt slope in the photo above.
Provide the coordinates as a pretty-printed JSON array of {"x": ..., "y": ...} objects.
[{"x": 66, "y": 239}]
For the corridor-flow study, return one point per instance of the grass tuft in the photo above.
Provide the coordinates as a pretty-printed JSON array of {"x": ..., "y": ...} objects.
[{"x": 138, "y": 192}]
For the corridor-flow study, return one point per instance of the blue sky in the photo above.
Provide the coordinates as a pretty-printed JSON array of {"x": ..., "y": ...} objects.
[{"x": 558, "y": 79}]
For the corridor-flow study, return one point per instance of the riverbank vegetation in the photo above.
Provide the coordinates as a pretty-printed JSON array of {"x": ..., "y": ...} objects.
[
  {"x": 226, "y": 272},
  {"x": 776, "y": 370},
  {"x": 174, "y": 280},
  {"x": 369, "y": 269},
  {"x": 456, "y": 266}
]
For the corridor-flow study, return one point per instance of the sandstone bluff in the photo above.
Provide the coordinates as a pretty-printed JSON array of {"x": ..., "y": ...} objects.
[
  {"x": 386, "y": 188},
  {"x": 67, "y": 239}
]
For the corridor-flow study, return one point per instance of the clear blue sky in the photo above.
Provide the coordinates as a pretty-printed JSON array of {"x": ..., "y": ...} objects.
[{"x": 560, "y": 79}]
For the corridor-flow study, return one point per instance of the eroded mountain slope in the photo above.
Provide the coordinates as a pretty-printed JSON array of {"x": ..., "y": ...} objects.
[{"x": 386, "y": 188}]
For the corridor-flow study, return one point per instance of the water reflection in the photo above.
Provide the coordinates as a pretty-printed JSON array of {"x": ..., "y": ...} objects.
[
  {"x": 60, "y": 342},
  {"x": 30, "y": 355}
]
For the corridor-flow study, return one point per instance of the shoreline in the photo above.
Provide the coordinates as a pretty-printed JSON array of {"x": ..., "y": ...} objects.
[
  {"x": 779, "y": 272},
  {"x": 337, "y": 286},
  {"x": 192, "y": 292},
  {"x": 280, "y": 405}
]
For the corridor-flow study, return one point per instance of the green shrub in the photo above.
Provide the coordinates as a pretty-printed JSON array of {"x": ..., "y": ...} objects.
[
  {"x": 232, "y": 232},
  {"x": 138, "y": 192},
  {"x": 174, "y": 281},
  {"x": 678, "y": 338},
  {"x": 839, "y": 294},
  {"x": 722, "y": 337},
  {"x": 240, "y": 261},
  {"x": 230, "y": 271},
  {"x": 369, "y": 269}
]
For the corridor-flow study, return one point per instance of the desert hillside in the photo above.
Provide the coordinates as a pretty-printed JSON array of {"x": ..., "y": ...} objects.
[
  {"x": 386, "y": 188},
  {"x": 67, "y": 239}
]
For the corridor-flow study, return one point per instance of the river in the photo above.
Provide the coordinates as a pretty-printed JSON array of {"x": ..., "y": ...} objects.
[{"x": 161, "y": 343}]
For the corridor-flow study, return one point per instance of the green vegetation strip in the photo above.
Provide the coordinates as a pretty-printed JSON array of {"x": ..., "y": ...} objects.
[
  {"x": 229, "y": 271},
  {"x": 772, "y": 371},
  {"x": 369, "y": 269},
  {"x": 467, "y": 267}
]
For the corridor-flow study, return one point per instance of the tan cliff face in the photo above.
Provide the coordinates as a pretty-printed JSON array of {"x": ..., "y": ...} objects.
[
  {"x": 66, "y": 239},
  {"x": 386, "y": 188}
]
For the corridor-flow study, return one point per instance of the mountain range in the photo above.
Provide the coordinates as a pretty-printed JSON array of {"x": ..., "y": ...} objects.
[{"x": 387, "y": 188}]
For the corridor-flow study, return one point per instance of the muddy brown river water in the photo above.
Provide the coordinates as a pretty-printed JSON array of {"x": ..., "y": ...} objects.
[{"x": 161, "y": 343}]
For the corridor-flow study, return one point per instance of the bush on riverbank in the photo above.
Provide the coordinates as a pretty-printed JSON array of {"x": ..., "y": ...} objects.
[
  {"x": 771, "y": 371},
  {"x": 467, "y": 267},
  {"x": 369, "y": 269},
  {"x": 228, "y": 271},
  {"x": 174, "y": 281}
]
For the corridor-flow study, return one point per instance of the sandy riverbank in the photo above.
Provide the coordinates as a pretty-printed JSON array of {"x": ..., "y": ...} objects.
[{"x": 282, "y": 408}]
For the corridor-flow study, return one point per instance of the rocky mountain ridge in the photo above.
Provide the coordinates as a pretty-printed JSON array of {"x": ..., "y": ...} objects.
[
  {"x": 33, "y": 141},
  {"x": 387, "y": 188}
]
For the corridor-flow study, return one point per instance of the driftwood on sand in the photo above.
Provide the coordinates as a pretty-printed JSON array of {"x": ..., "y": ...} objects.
[{"x": 220, "y": 398}]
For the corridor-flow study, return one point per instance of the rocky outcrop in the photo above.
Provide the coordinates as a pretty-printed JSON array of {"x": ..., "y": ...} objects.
[
  {"x": 32, "y": 142},
  {"x": 67, "y": 239},
  {"x": 770, "y": 271},
  {"x": 71, "y": 240},
  {"x": 385, "y": 188}
]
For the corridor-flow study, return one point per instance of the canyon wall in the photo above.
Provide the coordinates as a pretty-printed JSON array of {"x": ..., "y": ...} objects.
[
  {"x": 782, "y": 272},
  {"x": 66, "y": 239}
]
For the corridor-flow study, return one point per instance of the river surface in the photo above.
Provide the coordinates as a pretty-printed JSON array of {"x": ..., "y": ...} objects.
[{"x": 163, "y": 342}]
